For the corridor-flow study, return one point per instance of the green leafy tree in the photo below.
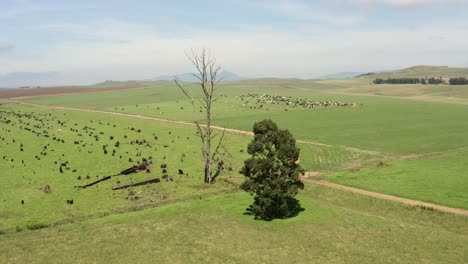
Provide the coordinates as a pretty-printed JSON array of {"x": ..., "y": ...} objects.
[{"x": 272, "y": 172}]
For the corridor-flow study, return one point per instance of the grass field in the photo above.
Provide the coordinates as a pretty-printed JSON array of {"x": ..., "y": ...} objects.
[
  {"x": 382, "y": 128},
  {"x": 335, "y": 227},
  {"x": 29, "y": 162},
  {"x": 440, "y": 178},
  {"x": 389, "y": 125},
  {"x": 423, "y": 142}
]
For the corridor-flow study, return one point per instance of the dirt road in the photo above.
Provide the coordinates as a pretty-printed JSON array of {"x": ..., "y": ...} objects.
[{"x": 392, "y": 198}]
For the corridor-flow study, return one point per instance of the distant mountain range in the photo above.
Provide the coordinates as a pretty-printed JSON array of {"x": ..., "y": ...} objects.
[
  {"x": 188, "y": 77},
  {"x": 43, "y": 79}
]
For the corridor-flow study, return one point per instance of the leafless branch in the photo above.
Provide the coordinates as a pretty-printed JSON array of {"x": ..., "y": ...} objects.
[{"x": 207, "y": 75}]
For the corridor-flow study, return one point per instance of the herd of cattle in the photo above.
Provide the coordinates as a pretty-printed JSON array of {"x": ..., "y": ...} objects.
[
  {"x": 79, "y": 139},
  {"x": 257, "y": 101}
]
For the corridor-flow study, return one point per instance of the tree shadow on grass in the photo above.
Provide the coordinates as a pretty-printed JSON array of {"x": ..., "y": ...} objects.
[{"x": 294, "y": 209}]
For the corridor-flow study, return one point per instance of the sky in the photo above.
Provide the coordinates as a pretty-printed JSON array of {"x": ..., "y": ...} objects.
[{"x": 89, "y": 41}]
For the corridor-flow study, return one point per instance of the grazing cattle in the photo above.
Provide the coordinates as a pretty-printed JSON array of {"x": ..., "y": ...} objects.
[
  {"x": 22, "y": 201},
  {"x": 164, "y": 171},
  {"x": 163, "y": 166},
  {"x": 47, "y": 189},
  {"x": 181, "y": 172}
]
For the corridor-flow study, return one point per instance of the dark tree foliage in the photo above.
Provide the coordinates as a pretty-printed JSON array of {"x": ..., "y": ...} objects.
[
  {"x": 435, "y": 81},
  {"x": 458, "y": 81},
  {"x": 398, "y": 81},
  {"x": 409, "y": 81},
  {"x": 272, "y": 172}
]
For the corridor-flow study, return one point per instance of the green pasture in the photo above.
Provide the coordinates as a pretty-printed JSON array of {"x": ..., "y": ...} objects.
[
  {"x": 184, "y": 220},
  {"x": 24, "y": 176},
  {"x": 335, "y": 227},
  {"x": 441, "y": 178},
  {"x": 174, "y": 145},
  {"x": 392, "y": 126},
  {"x": 382, "y": 128}
]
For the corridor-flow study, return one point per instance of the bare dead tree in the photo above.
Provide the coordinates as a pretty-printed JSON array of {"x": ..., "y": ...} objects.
[{"x": 207, "y": 76}]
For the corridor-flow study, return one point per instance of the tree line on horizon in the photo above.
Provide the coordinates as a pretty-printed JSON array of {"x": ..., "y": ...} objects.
[{"x": 436, "y": 81}]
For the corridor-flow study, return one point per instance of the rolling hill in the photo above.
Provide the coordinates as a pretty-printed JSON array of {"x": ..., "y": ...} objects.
[{"x": 419, "y": 72}]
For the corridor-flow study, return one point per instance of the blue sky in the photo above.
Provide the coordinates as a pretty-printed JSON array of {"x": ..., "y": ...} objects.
[{"x": 91, "y": 41}]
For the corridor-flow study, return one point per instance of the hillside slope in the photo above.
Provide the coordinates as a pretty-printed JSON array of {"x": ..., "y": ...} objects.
[{"x": 421, "y": 71}]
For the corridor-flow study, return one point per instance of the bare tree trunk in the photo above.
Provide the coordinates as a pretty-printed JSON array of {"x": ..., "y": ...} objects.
[{"x": 208, "y": 77}]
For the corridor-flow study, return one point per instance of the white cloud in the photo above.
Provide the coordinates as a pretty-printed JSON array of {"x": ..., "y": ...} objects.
[
  {"x": 103, "y": 30},
  {"x": 120, "y": 51}
]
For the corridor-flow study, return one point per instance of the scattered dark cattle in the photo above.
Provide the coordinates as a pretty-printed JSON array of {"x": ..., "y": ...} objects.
[
  {"x": 70, "y": 202},
  {"x": 164, "y": 171},
  {"x": 163, "y": 166},
  {"x": 22, "y": 201},
  {"x": 382, "y": 164},
  {"x": 47, "y": 189},
  {"x": 181, "y": 172}
]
